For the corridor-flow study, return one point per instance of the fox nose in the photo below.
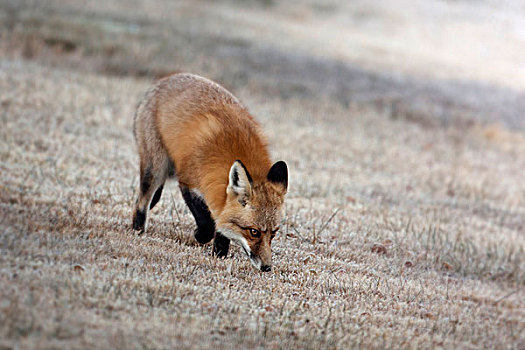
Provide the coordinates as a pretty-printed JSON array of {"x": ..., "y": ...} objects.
[{"x": 266, "y": 268}]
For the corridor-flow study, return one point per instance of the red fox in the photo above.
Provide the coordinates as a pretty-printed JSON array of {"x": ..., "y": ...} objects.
[{"x": 193, "y": 129}]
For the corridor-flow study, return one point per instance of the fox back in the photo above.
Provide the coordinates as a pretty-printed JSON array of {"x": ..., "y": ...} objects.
[{"x": 193, "y": 128}]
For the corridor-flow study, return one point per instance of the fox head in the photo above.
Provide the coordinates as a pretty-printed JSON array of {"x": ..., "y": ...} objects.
[{"x": 252, "y": 213}]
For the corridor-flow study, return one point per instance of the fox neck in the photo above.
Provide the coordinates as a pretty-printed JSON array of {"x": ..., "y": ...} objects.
[
  {"x": 218, "y": 141},
  {"x": 213, "y": 188}
]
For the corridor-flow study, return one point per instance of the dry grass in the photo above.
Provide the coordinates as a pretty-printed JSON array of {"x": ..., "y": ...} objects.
[{"x": 401, "y": 229}]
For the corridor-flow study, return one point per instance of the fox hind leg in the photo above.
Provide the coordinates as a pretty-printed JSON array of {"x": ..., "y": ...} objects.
[
  {"x": 205, "y": 224},
  {"x": 152, "y": 178},
  {"x": 158, "y": 193}
]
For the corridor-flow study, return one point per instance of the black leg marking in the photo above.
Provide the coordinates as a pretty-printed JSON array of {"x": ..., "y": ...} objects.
[
  {"x": 221, "y": 245},
  {"x": 171, "y": 169},
  {"x": 266, "y": 268},
  {"x": 205, "y": 223},
  {"x": 204, "y": 235},
  {"x": 145, "y": 180},
  {"x": 139, "y": 220},
  {"x": 156, "y": 197},
  {"x": 151, "y": 183}
]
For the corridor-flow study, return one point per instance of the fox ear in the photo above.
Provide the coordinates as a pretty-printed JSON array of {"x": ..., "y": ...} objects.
[
  {"x": 240, "y": 182},
  {"x": 278, "y": 174}
]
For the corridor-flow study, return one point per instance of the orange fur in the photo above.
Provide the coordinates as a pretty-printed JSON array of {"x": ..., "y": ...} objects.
[
  {"x": 202, "y": 129},
  {"x": 203, "y": 147}
]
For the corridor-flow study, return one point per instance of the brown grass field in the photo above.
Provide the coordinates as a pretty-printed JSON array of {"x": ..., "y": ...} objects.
[{"x": 404, "y": 225}]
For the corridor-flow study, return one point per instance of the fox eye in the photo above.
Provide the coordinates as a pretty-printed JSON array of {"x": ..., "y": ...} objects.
[{"x": 254, "y": 232}]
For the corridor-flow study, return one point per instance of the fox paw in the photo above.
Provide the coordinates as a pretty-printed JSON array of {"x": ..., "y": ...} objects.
[
  {"x": 204, "y": 235},
  {"x": 139, "y": 221},
  {"x": 221, "y": 245}
]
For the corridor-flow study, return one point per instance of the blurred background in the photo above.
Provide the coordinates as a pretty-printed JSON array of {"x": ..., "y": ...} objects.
[
  {"x": 402, "y": 123},
  {"x": 433, "y": 61}
]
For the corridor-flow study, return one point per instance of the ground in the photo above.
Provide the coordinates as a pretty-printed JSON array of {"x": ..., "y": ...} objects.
[{"x": 405, "y": 218}]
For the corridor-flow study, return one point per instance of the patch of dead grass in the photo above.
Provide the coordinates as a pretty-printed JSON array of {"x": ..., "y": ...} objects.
[
  {"x": 397, "y": 232},
  {"x": 69, "y": 177}
]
